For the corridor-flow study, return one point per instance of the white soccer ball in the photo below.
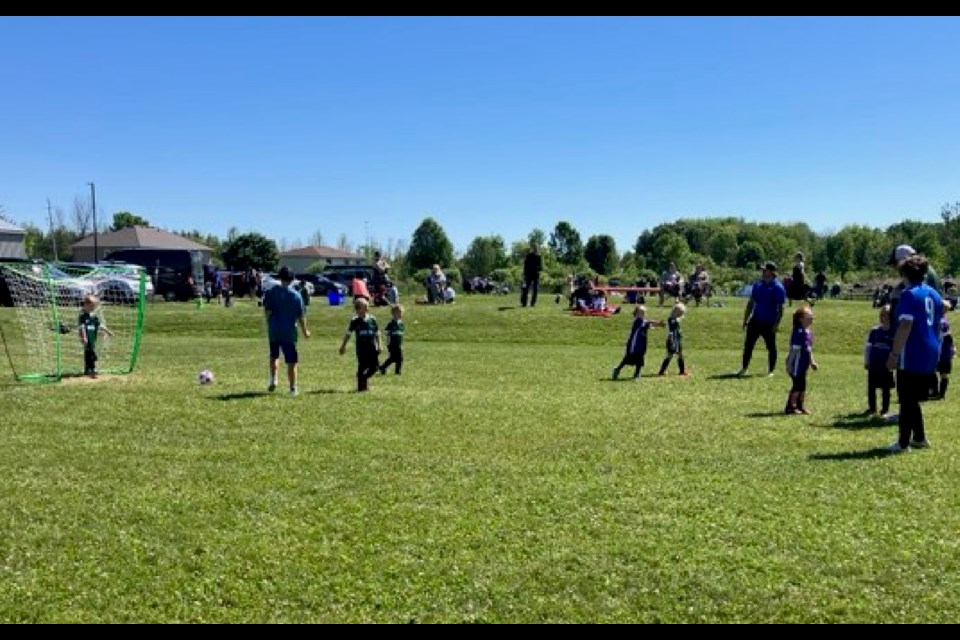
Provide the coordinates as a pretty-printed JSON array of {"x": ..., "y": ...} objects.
[{"x": 205, "y": 377}]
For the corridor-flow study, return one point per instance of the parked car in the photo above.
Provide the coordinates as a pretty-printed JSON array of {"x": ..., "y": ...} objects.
[
  {"x": 346, "y": 275},
  {"x": 35, "y": 291},
  {"x": 271, "y": 280},
  {"x": 322, "y": 285},
  {"x": 177, "y": 273},
  {"x": 113, "y": 281}
]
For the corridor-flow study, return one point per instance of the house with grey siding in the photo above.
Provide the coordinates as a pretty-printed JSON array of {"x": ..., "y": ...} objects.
[
  {"x": 300, "y": 259},
  {"x": 12, "y": 241},
  {"x": 134, "y": 238}
]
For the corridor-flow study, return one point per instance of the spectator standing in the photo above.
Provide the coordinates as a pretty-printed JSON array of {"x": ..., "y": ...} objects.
[{"x": 532, "y": 266}]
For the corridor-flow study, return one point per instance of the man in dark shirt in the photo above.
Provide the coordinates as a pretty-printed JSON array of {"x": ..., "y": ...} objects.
[{"x": 532, "y": 266}]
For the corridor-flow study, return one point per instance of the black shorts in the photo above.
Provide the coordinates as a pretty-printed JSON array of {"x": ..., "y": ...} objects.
[
  {"x": 289, "y": 349},
  {"x": 945, "y": 366},
  {"x": 634, "y": 359},
  {"x": 799, "y": 383}
]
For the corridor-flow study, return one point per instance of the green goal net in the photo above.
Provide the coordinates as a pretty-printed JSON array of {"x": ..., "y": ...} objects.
[{"x": 40, "y": 306}]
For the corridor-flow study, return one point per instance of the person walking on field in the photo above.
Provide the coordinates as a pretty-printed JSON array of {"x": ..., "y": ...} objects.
[
  {"x": 762, "y": 317},
  {"x": 532, "y": 266},
  {"x": 284, "y": 309}
]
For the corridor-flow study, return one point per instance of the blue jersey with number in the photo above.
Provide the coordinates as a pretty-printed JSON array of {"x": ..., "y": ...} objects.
[
  {"x": 924, "y": 307},
  {"x": 768, "y": 298}
]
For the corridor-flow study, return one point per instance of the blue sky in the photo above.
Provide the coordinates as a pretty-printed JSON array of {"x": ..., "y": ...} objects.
[{"x": 490, "y": 125}]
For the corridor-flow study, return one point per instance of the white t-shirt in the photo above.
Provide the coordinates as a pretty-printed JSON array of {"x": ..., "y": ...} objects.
[{"x": 449, "y": 294}]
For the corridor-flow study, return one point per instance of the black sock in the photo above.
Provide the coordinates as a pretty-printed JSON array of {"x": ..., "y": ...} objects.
[
  {"x": 636, "y": 373},
  {"x": 683, "y": 367},
  {"x": 944, "y": 383},
  {"x": 663, "y": 367}
]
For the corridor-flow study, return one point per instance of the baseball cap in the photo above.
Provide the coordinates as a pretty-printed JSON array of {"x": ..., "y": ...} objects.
[
  {"x": 285, "y": 274},
  {"x": 902, "y": 252},
  {"x": 770, "y": 266}
]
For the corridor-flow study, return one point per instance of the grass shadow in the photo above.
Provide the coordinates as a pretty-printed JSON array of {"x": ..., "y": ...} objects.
[
  {"x": 769, "y": 414},
  {"x": 505, "y": 308},
  {"x": 245, "y": 395},
  {"x": 727, "y": 376},
  {"x": 325, "y": 392},
  {"x": 866, "y": 454},
  {"x": 857, "y": 421}
]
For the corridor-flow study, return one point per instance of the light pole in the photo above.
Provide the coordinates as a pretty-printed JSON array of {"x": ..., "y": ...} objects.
[{"x": 93, "y": 205}]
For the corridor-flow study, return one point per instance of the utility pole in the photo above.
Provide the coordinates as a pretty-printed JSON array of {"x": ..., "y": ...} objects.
[
  {"x": 53, "y": 234},
  {"x": 93, "y": 204}
]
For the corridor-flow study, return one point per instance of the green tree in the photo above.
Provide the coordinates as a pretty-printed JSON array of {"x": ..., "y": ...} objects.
[
  {"x": 565, "y": 243},
  {"x": 722, "y": 247},
  {"x": 750, "y": 255},
  {"x": 840, "y": 253},
  {"x": 537, "y": 237},
  {"x": 601, "y": 254},
  {"x": 124, "y": 219},
  {"x": 251, "y": 251},
  {"x": 429, "y": 246},
  {"x": 484, "y": 255}
]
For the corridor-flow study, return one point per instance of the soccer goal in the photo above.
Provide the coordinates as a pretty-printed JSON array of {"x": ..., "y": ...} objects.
[{"x": 40, "y": 312}]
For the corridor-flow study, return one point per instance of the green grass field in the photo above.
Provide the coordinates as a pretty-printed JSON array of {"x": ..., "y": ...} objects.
[{"x": 502, "y": 478}]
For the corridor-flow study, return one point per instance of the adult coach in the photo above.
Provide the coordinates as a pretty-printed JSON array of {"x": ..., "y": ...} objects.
[
  {"x": 762, "y": 317},
  {"x": 916, "y": 350},
  {"x": 284, "y": 309},
  {"x": 532, "y": 266}
]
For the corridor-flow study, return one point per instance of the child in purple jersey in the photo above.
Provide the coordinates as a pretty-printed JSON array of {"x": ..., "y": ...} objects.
[
  {"x": 636, "y": 349},
  {"x": 875, "y": 355},
  {"x": 800, "y": 360}
]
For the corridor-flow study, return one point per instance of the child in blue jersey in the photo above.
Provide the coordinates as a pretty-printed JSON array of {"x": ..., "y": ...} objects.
[
  {"x": 947, "y": 351},
  {"x": 875, "y": 355},
  {"x": 365, "y": 327},
  {"x": 675, "y": 340},
  {"x": 800, "y": 360},
  {"x": 284, "y": 309},
  {"x": 637, "y": 342}
]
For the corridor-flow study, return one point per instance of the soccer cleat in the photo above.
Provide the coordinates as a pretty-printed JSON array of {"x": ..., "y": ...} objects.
[
  {"x": 770, "y": 375},
  {"x": 919, "y": 444},
  {"x": 892, "y": 417},
  {"x": 742, "y": 373},
  {"x": 294, "y": 392},
  {"x": 896, "y": 448}
]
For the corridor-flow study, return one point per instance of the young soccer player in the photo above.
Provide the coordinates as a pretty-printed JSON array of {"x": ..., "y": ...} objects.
[
  {"x": 365, "y": 327},
  {"x": 875, "y": 355},
  {"x": 394, "y": 331},
  {"x": 90, "y": 326},
  {"x": 675, "y": 340},
  {"x": 800, "y": 360},
  {"x": 637, "y": 342}
]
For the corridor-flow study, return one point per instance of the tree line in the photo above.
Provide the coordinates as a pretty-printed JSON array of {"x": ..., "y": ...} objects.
[{"x": 730, "y": 248}]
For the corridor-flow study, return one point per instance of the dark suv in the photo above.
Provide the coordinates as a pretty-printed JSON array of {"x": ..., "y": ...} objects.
[
  {"x": 345, "y": 275},
  {"x": 322, "y": 285}
]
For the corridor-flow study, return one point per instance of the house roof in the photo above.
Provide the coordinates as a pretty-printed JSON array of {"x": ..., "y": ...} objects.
[
  {"x": 7, "y": 227},
  {"x": 320, "y": 253},
  {"x": 146, "y": 237}
]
